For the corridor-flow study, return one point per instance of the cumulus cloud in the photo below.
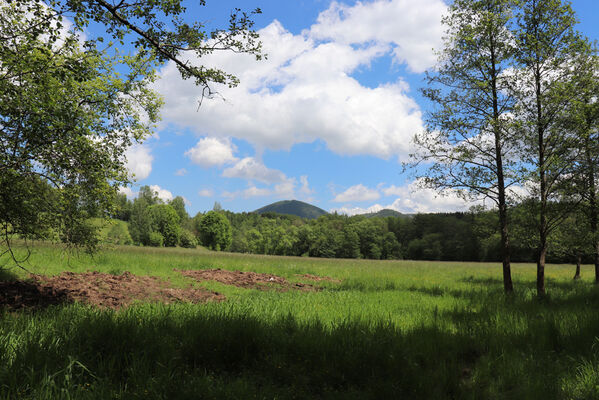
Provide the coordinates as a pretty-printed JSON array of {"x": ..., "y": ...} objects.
[
  {"x": 305, "y": 188},
  {"x": 251, "y": 169},
  {"x": 412, "y": 199},
  {"x": 163, "y": 194},
  {"x": 412, "y": 28},
  {"x": 357, "y": 193},
  {"x": 305, "y": 90},
  {"x": 127, "y": 191},
  {"x": 206, "y": 193},
  {"x": 139, "y": 161},
  {"x": 211, "y": 152},
  {"x": 285, "y": 189},
  {"x": 181, "y": 172}
]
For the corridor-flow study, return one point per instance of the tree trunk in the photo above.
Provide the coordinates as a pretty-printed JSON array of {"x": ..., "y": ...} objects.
[
  {"x": 578, "y": 261},
  {"x": 594, "y": 211},
  {"x": 543, "y": 182},
  {"x": 541, "y": 270},
  {"x": 508, "y": 286}
]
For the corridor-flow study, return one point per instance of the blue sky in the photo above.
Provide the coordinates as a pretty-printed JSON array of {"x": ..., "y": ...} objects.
[{"x": 326, "y": 119}]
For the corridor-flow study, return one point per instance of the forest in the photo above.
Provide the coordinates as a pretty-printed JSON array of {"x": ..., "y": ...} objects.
[{"x": 457, "y": 236}]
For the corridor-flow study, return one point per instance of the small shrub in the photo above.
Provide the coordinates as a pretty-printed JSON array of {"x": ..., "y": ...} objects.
[
  {"x": 187, "y": 239},
  {"x": 155, "y": 239},
  {"x": 118, "y": 234}
]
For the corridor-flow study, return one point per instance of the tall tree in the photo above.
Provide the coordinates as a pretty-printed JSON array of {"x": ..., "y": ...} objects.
[
  {"x": 66, "y": 118},
  {"x": 70, "y": 105},
  {"x": 467, "y": 136},
  {"x": 546, "y": 83},
  {"x": 584, "y": 121}
]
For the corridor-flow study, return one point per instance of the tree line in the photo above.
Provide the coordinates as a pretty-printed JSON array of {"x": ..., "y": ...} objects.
[{"x": 458, "y": 236}]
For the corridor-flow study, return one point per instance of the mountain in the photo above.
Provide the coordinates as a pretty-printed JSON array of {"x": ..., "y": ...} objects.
[
  {"x": 293, "y": 207},
  {"x": 386, "y": 213}
]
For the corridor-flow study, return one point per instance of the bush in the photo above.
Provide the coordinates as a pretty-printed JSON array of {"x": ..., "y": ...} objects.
[
  {"x": 187, "y": 239},
  {"x": 166, "y": 221},
  {"x": 118, "y": 233},
  {"x": 215, "y": 231},
  {"x": 155, "y": 239}
]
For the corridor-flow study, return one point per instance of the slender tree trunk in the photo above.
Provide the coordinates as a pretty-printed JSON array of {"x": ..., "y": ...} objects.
[
  {"x": 543, "y": 188},
  {"x": 508, "y": 286},
  {"x": 541, "y": 269},
  {"x": 578, "y": 262},
  {"x": 594, "y": 211}
]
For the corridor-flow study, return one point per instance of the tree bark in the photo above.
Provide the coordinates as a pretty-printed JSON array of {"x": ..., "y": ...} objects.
[
  {"x": 594, "y": 211},
  {"x": 508, "y": 286},
  {"x": 578, "y": 262}
]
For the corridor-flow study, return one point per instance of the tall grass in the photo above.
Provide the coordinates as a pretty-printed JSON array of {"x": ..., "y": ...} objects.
[{"x": 388, "y": 330}]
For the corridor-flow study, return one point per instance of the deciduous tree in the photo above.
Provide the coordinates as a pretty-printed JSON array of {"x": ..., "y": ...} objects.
[{"x": 468, "y": 139}]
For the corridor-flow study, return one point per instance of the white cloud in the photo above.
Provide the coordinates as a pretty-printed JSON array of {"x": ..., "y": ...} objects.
[
  {"x": 251, "y": 169},
  {"x": 162, "y": 194},
  {"x": 253, "y": 191},
  {"x": 139, "y": 161},
  {"x": 357, "y": 193},
  {"x": 181, "y": 172},
  {"x": 127, "y": 191},
  {"x": 211, "y": 152},
  {"x": 412, "y": 199},
  {"x": 305, "y": 90},
  {"x": 285, "y": 189},
  {"x": 305, "y": 189},
  {"x": 206, "y": 193},
  {"x": 413, "y": 27}
]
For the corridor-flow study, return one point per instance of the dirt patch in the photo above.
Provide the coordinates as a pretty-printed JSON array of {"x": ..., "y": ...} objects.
[
  {"x": 317, "y": 278},
  {"x": 248, "y": 280},
  {"x": 99, "y": 289},
  {"x": 17, "y": 295}
]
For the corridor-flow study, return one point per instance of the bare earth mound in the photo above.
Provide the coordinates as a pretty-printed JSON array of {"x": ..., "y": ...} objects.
[
  {"x": 99, "y": 289},
  {"x": 248, "y": 280}
]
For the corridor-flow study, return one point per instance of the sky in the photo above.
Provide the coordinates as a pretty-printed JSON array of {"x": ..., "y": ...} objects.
[{"x": 327, "y": 118}]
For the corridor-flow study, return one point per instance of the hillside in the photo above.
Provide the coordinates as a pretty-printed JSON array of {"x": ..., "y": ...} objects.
[
  {"x": 293, "y": 207},
  {"x": 385, "y": 213}
]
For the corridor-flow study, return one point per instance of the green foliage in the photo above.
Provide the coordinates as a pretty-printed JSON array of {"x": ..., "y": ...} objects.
[
  {"x": 123, "y": 207},
  {"x": 165, "y": 220},
  {"x": 178, "y": 204},
  {"x": 118, "y": 234},
  {"x": 140, "y": 223},
  {"x": 187, "y": 239},
  {"x": 155, "y": 239},
  {"x": 214, "y": 231},
  {"x": 67, "y": 119},
  {"x": 70, "y": 107}
]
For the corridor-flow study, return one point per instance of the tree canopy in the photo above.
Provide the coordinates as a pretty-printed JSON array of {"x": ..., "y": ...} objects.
[{"x": 71, "y": 104}]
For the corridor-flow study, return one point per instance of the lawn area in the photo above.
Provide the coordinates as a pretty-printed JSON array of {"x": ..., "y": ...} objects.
[{"x": 388, "y": 329}]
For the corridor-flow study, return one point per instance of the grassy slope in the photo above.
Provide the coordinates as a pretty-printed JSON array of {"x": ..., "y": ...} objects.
[
  {"x": 410, "y": 329},
  {"x": 293, "y": 207}
]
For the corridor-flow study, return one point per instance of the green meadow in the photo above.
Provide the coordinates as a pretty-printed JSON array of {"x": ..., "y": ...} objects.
[{"x": 389, "y": 329}]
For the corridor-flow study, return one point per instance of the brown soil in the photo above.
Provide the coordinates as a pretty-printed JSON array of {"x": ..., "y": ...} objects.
[
  {"x": 248, "y": 280},
  {"x": 99, "y": 289},
  {"x": 317, "y": 278}
]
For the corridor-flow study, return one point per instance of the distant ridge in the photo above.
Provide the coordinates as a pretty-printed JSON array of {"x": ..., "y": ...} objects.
[
  {"x": 386, "y": 212},
  {"x": 293, "y": 207}
]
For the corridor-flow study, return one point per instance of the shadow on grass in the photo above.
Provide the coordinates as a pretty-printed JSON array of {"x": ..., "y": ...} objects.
[
  {"x": 187, "y": 352},
  {"x": 162, "y": 352}
]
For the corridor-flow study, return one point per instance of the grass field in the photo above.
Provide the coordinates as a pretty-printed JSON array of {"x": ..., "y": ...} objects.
[{"x": 390, "y": 329}]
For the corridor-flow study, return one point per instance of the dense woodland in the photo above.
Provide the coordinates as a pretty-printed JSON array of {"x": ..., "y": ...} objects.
[{"x": 459, "y": 236}]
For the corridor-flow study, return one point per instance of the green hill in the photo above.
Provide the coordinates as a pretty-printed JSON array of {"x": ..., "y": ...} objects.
[
  {"x": 385, "y": 213},
  {"x": 293, "y": 207}
]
